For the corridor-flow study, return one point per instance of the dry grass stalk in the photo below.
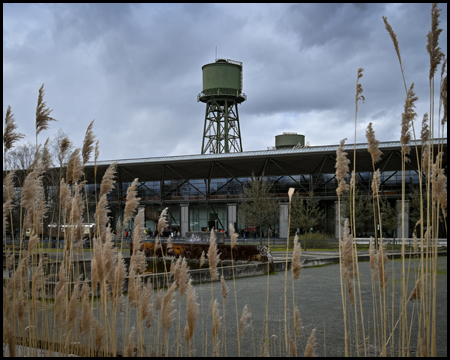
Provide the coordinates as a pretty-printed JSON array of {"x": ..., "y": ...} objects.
[
  {"x": 417, "y": 291},
  {"x": 134, "y": 286},
  {"x": 98, "y": 334},
  {"x": 183, "y": 276},
  {"x": 146, "y": 312},
  {"x": 120, "y": 274},
  {"x": 342, "y": 169},
  {"x": 382, "y": 259},
  {"x": 129, "y": 348},
  {"x": 10, "y": 136},
  {"x": 439, "y": 182},
  {"x": 373, "y": 259},
  {"x": 443, "y": 94},
  {"x": 132, "y": 202},
  {"x": 101, "y": 217},
  {"x": 191, "y": 313},
  {"x": 88, "y": 142},
  {"x": 296, "y": 263},
  {"x": 233, "y": 236},
  {"x": 108, "y": 180},
  {"x": 297, "y": 321},
  {"x": 216, "y": 319},
  {"x": 394, "y": 40},
  {"x": 162, "y": 222},
  {"x": 86, "y": 313},
  {"x": 373, "y": 144},
  {"x": 292, "y": 347},
  {"x": 425, "y": 137},
  {"x": 376, "y": 183},
  {"x": 309, "y": 351},
  {"x": 138, "y": 257},
  {"x": 61, "y": 295},
  {"x": 213, "y": 257},
  {"x": 415, "y": 242},
  {"x": 347, "y": 261},
  {"x": 408, "y": 117},
  {"x": 436, "y": 55},
  {"x": 42, "y": 112}
]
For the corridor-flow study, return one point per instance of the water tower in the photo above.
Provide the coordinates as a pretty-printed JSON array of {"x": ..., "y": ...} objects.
[{"x": 222, "y": 92}]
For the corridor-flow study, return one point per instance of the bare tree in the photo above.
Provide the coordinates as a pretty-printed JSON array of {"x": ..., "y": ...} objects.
[
  {"x": 305, "y": 213},
  {"x": 259, "y": 207},
  {"x": 61, "y": 147}
]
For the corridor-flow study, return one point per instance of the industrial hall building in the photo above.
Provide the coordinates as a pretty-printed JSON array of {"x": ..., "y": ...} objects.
[{"x": 204, "y": 191}]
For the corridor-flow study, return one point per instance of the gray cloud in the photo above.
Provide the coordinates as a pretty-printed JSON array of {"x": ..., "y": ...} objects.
[{"x": 136, "y": 69}]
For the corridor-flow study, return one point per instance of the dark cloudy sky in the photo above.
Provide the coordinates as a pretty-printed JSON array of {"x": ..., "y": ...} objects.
[{"x": 136, "y": 70}]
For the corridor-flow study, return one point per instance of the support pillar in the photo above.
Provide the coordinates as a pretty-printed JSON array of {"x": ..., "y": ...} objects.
[
  {"x": 284, "y": 219},
  {"x": 338, "y": 223},
  {"x": 231, "y": 217},
  {"x": 184, "y": 219}
]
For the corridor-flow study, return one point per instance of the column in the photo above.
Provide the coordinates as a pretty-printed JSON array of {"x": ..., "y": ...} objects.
[
  {"x": 338, "y": 223},
  {"x": 184, "y": 219},
  {"x": 231, "y": 216},
  {"x": 284, "y": 219}
]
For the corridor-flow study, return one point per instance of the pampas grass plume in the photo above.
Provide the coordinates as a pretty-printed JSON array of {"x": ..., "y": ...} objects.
[
  {"x": 192, "y": 313},
  {"x": 213, "y": 257},
  {"x": 233, "y": 236},
  {"x": 42, "y": 112},
  {"x": 162, "y": 222},
  {"x": 88, "y": 142},
  {"x": 216, "y": 319},
  {"x": 415, "y": 294},
  {"x": 244, "y": 322},
  {"x": 10, "y": 136},
  {"x": 309, "y": 351},
  {"x": 225, "y": 288},
  {"x": 108, "y": 179},
  {"x": 373, "y": 144},
  {"x": 132, "y": 202},
  {"x": 167, "y": 308}
]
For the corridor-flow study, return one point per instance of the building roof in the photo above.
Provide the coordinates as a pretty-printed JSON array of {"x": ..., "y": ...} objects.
[{"x": 310, "y": 160}]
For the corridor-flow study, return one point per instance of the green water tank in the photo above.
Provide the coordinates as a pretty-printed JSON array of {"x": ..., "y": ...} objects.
[
  {"x": 223, "y": 77},
  {"x": 289, "y": 140}
]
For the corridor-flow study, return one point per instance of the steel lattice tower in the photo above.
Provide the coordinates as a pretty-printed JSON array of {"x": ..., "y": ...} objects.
[{"x": 222, "y": 92}]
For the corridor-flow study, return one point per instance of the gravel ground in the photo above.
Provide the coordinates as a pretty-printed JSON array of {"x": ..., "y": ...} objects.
[{"x": 318, "y": 297}]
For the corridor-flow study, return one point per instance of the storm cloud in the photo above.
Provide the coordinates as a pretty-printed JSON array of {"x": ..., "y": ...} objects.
[{"x": 136, "y": 70}]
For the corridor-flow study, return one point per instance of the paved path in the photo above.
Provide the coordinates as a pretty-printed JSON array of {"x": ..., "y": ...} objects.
[{"x": 318, "y": 297}]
